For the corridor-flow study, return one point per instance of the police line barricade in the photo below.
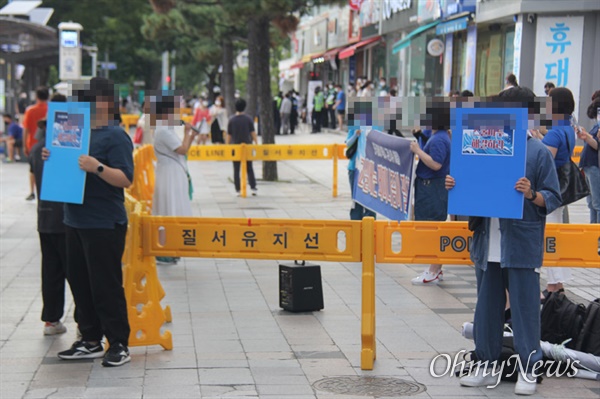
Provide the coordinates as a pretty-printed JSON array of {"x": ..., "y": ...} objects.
[
  {"x": 269, "y": 152},
  {"x": 142, "y": 188},
  {"x": 565, "y": 245},
  {"x": 143, "y": 290}
]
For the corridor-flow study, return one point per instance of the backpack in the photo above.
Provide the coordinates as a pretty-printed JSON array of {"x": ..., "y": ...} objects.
[
  {"x": 589, "y": 339},
  {"x": 561, "y": 319}
]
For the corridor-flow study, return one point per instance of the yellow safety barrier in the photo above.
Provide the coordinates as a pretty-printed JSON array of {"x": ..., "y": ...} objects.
[
  {"x": 331, "y": 240},
  {"x": 577, "y": 154},
  {"x": 129, "y": 120},
  {"x": 142, "y": 188},
  {"x": 448, "y": 243}
]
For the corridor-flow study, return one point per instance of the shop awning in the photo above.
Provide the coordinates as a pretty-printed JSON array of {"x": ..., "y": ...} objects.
[
  {"x": 297, "y": 65},
  {"x": 308, "y": 57},
  {"x": 454, "y": 25},
  {"x": 400, "y": 44},
  {"x": 349, "y": 51},
  {"x": 331, "y": 53}
]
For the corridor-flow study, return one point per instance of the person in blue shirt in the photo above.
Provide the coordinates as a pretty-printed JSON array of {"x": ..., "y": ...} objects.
[
  {"x": 507, "y": 254},
  {"x": 431, "y": 198},
  {"x": 13, "y": 138},
  {"x": 95, "y": 233},
  {"x": 560, "y": 140},
  {"x": 589, "y": 159},
  {"x": 340, "y": 106}
]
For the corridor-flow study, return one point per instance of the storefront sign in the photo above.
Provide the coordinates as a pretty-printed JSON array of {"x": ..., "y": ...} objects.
[
  {"x": 517, "y": 48},
  {"x": 435, "y": 47},
  {"x": 369, "y": 13},
  {"x": 355, "y": 4},
  {"x": 558, "y": 53},
  {"x": 428, "y": 10},
  {"x": 452, "y": 26},
  {"x": 393, "y": 6}
]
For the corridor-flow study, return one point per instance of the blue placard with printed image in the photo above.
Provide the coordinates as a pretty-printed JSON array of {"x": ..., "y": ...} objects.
[
  {"x": 488, "y": 156},
  {"x": 67, "y": 137}
]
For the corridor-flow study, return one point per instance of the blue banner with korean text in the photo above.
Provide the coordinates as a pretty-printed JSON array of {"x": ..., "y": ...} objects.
[
  {"x": 67, "y": 137},
  {"x": 384, "y": 179},
  {"x": 487, "y": 157}
]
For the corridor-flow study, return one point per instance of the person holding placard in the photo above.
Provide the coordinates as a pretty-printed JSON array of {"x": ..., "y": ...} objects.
[
  {"x": 95, "y": 233},
  {"x": 508, "y": 254}
]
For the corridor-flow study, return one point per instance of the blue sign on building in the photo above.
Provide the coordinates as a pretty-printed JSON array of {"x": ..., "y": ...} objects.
[{"x": 454, "y": 25}]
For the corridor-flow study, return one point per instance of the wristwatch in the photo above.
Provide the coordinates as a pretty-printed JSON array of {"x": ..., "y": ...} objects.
[
  {"x": 533, "y": 195},
  {"x": 99, "y": 169}
]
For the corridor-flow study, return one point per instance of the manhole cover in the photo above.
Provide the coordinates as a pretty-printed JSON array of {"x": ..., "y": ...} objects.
[{"x": 369, "y": 386}]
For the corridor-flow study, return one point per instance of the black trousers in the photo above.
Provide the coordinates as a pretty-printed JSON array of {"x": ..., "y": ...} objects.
[
  {"x": 96, "y": 278},
  {"x": 332, "y": 118},
  {"x": 54, "y": 273},
  {"x": 236, "y": 174}
]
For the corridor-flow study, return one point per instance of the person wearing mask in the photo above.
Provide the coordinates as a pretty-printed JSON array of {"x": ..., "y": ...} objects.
[
  {"x": 33, "y": 114},
  {"x": 431, "y": 198},
  {"x": 589, "y": 159},
  {"x": 286, "y": 110},
  {"x": 367, "y": 89},
  {"x": 240, "y": 130},
  {"x": 340, "y": 106},
  {"x": 201, "y": 121},
  {"x": 560, "y": 140},
  {"x": 507, "y": 254},
  {"x": 95, "y": 233},
  {"x": 383, "y": 88},
  {"x": 172, "y": 191},
  {"x": 318, "y": 108},
  {"x": 218, "y": 114}
]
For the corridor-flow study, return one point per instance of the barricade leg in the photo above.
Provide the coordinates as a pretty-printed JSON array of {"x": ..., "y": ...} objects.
[
  {"x": 335, "y": 170},
  {"x": 368, "y": 352}
]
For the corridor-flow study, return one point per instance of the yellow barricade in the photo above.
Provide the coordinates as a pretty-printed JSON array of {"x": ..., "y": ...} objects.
[
  {"x": 129, "y": 120},
  {"x": 448, "y": 243},
  {"x": 331, "y": 240},
  {"x": 577, "y": 154},
  {"x": 281, "y": 152},
  {"x": 215, "y": 153}
]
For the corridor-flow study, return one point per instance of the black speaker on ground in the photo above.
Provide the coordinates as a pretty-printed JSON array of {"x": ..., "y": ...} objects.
[{"x": 300, "y": 288}]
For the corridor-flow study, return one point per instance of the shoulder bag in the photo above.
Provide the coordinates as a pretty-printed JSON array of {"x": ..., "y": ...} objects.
[{"x": 572, "y": 182}]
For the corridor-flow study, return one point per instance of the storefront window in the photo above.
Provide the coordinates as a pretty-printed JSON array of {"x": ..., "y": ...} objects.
[
  {"x": 459, "y": 61},
  {"x": 494, "y": 60},
  {"x": 426, "y": 71}
]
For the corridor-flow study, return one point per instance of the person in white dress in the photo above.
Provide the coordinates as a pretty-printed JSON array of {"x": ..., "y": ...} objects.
[{"x": 172, "y": 186}]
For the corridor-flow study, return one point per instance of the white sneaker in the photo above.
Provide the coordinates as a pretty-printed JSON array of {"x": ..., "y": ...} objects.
[
  {"x": 525, "y": 385},
  {"x": 254, "y": 191},
  {"x": 54, "y": 328},
  {"x": 428, "y": 278},
  {"x": 480, "y": 377}
]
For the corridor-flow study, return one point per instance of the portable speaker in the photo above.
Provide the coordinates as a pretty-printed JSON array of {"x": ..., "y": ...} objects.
[{"x": 300, "y": 288}]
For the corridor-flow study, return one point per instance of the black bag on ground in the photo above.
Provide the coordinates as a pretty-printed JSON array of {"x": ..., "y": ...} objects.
[
  {"x": 589, "y": 339},
  {"x": 561, "y": 319}
]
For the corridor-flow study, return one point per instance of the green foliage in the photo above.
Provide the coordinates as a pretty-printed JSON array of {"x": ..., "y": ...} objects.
[{"x": 241, "y": 76}]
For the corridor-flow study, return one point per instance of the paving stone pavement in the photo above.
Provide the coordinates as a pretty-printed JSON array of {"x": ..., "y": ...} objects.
[{"x": 231, "y": 339}]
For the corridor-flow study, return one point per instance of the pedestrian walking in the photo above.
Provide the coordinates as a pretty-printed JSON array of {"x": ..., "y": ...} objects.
[
  {"x": 340, "y": 106},
  {"x": 95, "y": 233},
  {"x": 318, "y": 109},
  {"x": 218, "y": 115},
  {"x": 240, "y": 130},
  {"x": 201, "y": 121},
  {"x": 295, "y": 111},
  {"x": 285, "y": 110}
]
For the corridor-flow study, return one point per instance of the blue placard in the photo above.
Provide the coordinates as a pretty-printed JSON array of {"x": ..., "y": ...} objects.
[
  {"x": 488, "y": 157},
  {"x": 67, "y": 137},
  {"x": 385, "y": 171}
]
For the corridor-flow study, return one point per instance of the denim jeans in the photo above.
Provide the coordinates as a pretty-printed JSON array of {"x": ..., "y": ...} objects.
[
  {"x": 357, "y": 212},
  {"x": 592, "y": 178},
  {"x": 431, "y": 199}
]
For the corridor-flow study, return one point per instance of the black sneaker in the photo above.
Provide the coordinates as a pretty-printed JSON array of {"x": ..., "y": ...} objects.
[
  {"x": 82, "y": 350},
  {"x": 116, "y": 355},
  {"x": 31, "y": 197}
]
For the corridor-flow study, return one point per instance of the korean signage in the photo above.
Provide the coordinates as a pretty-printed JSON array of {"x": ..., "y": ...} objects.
[
  {"x": 452, "y": 26},
  {"x": 369, "y": 13},
  {"x": 558, "y": 53},
  {"x": 384, "y": 181},
  {"x": 430, "y": 9},
  {"x": 393, "y": 6}
]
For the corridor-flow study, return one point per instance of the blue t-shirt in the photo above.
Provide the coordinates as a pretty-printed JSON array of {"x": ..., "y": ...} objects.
[
  {"x": 15, "y": 131},
  {"x": 438, "y": 147},
  {"x": 103, "y": 204},
  {"x": 589, "y": 156},
  {"x": 557, "y": 138},
  {"x": 341, "y": 97}
]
